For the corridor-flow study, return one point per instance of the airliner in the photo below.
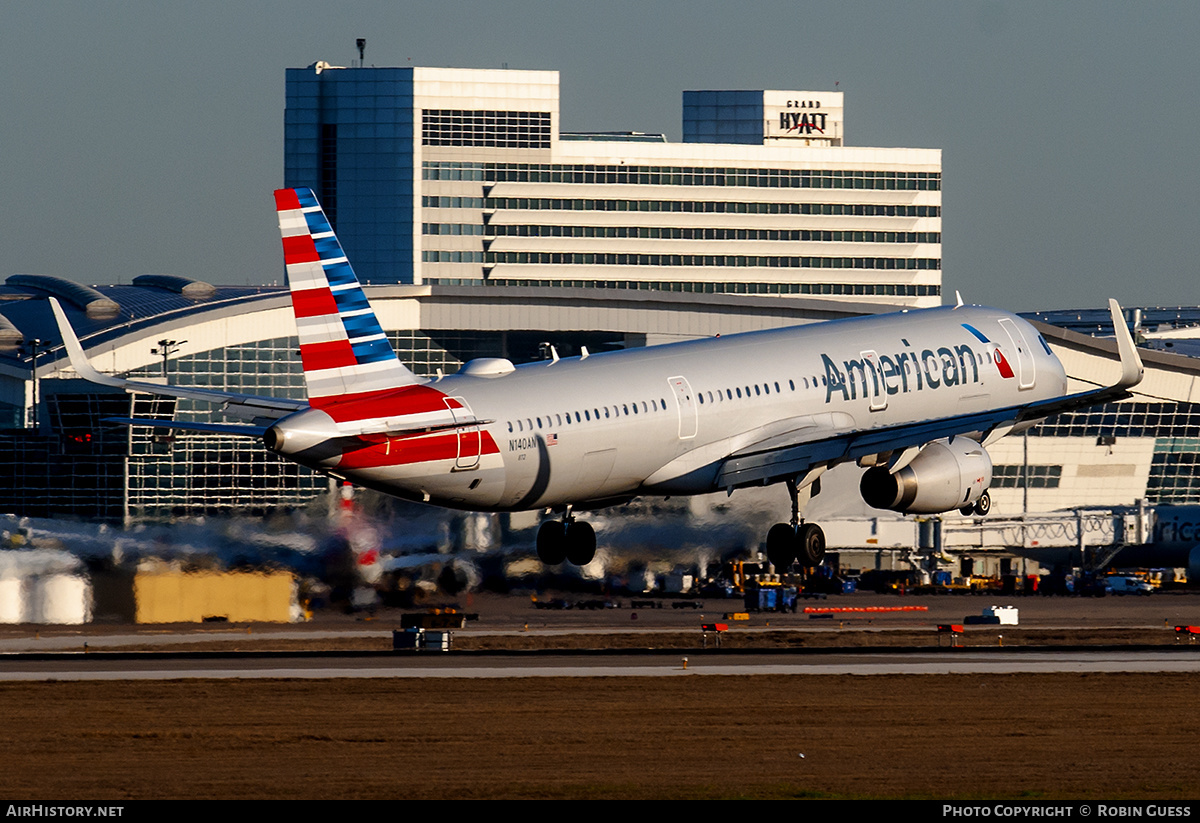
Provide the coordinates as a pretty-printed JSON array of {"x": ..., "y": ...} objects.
[{"x": 914, "y": 398}]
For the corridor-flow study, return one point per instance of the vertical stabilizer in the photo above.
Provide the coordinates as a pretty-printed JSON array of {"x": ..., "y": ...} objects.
[{"x": 342, "y": 345}]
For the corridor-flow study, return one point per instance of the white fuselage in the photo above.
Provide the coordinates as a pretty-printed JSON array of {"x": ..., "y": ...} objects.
[{"x": 663, "y": 419}]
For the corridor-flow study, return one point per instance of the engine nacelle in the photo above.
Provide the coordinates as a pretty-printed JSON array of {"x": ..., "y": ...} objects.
[{"x": 944, "y": 476}]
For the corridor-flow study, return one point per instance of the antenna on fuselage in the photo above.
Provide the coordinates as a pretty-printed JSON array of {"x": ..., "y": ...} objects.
[{"x": 958, "y": 297}]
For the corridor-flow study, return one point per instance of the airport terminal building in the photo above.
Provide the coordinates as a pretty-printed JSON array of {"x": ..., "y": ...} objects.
[
  {"x": 441, "y": 176},
  {"x": 485, "y": 232},
  {"x": 60, "y": 454}
]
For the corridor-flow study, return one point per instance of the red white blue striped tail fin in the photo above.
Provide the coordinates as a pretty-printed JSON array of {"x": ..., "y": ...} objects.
[{"x": 343, "y": 348}]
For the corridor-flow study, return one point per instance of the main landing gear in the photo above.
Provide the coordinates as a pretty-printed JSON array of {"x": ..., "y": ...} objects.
[
  {"x": 797, "y": 540},
  {"x": 566, "y": 539}
]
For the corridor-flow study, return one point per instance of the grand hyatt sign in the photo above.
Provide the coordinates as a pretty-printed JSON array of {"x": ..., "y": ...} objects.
[{"x": 803, "y": 116}]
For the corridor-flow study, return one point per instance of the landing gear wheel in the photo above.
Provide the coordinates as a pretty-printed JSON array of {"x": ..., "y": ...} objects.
[
  {"x": 580, "y": 542},
  {"x": 983, "y": 505},
  {"x": 781, "y": 546},
  {"x": 812, "y": 544},
  {"x": 552, "y": 542}
]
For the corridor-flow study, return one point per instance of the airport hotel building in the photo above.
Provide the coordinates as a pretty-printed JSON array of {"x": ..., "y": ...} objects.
[{"x": 463, "y": 177}]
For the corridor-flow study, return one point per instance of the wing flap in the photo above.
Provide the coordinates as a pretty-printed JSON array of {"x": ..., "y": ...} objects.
[{"x": 757, "y": 465}]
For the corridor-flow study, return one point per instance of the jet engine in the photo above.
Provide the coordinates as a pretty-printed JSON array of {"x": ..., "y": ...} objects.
[{"x": 945, "y": 475}]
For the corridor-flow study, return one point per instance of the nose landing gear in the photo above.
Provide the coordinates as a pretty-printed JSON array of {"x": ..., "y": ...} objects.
[{"x": 980, "y": 508}]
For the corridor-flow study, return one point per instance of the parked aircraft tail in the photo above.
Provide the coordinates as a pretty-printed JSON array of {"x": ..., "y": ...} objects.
[{"x": 342, "y": 346}]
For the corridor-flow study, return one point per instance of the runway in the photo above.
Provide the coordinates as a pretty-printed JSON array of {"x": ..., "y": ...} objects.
[{"x": 80, "y": 667}]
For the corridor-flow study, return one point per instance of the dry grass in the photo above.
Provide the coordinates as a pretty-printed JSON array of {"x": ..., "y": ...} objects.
[{"x": 969, "y": 736}]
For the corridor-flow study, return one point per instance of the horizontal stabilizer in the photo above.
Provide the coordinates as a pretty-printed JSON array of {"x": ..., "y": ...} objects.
[
  {"x": 232, "y": 429},
  {"x": 263, "y": 407}
]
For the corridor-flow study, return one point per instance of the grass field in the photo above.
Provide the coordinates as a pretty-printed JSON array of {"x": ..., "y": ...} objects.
[{"x": 1113, "y": 736}]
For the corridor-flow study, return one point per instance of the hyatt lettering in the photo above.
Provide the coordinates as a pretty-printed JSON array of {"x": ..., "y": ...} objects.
[{"x": 802, "y": 122}]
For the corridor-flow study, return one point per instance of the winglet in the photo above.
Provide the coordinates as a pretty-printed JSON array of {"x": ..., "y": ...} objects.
[
  {"x": 83, "y": 367},
  {"x": 1131, "y": 362}
]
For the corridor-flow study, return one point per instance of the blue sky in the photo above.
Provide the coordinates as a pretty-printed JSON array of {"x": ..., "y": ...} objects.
[{"x": 147, "y": 137}]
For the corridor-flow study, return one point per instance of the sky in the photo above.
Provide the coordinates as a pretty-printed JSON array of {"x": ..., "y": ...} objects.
[{"x": 140, "y": 137}]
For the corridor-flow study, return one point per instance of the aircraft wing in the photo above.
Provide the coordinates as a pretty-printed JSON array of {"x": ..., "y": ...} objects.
[
  {"x": 795, "y": 454},
  {"x": 253, "y": 407}
]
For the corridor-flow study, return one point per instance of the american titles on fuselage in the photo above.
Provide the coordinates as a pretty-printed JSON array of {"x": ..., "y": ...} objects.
[{"x": 906, "y": 371}]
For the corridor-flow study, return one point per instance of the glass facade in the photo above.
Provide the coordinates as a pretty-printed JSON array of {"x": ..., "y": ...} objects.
[
  {"x": 80, "y": 465},
  {"x": 723, "y": 117},
  {"x": 1174, "y": 475},
  {"x": 348, "y": 135}
]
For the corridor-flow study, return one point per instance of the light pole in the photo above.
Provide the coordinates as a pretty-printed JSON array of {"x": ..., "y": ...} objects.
[
  {"x": 33, "y": 353},
  {"x": 166, "y": 348}
]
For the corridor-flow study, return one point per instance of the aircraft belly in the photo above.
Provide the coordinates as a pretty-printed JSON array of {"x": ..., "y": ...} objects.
[
  {"x": 546, "y": 471},
  {"x": 440, "y": 482},
  {"x": 431, "y": 467}
]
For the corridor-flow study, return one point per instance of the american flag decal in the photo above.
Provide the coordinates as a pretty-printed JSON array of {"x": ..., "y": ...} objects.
[{"x": 552, "y": 440}]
